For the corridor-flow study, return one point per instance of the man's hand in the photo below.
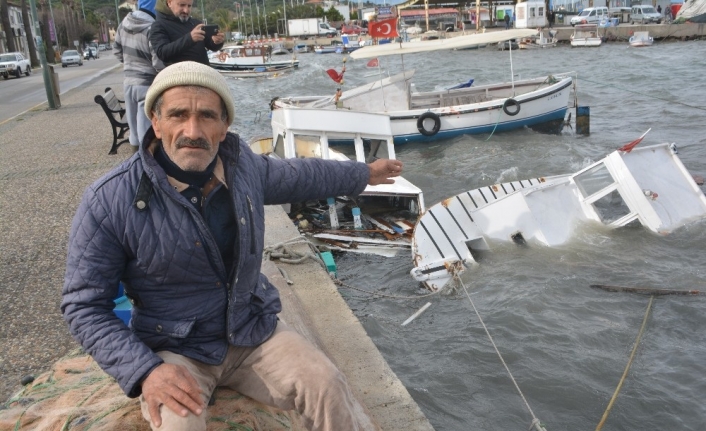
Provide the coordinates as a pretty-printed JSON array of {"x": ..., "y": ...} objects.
[
  {"x": 382, "y": 169},
  {"x": 198, "y": 33},
  {"x": 218, "y": 38},
  {"x": 174, "y": 387}
]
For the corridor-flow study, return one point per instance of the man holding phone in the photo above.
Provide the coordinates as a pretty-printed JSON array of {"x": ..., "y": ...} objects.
[{"x": 176, "y": 36}]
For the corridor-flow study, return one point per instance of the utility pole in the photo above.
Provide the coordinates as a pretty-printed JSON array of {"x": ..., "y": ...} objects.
[
  {"x": 286, "y": 25},
  {"x": 48, "y": 81},
  {"x": 117, "y": 12}
]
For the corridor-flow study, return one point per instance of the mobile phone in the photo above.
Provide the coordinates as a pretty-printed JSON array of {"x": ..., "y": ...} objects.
[{"x": 210, "y": 30}]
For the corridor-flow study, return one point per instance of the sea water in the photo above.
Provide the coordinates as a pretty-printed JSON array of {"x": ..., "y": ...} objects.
[{"x": 565, "y": 343}]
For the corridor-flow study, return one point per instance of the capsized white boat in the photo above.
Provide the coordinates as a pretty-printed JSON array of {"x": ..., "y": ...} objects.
[
  {"x": 641, "y": 38},
  {"x": 540, "y": 103},
  {"x": 388, "y": 212},
  {"x": 647, "y": 185}
]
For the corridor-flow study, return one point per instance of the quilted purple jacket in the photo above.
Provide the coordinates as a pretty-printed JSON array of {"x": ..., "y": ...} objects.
[{"x": 132, "y": 226}]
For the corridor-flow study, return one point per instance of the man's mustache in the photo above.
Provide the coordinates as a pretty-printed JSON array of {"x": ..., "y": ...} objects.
[{"x": 187, "y": 142}]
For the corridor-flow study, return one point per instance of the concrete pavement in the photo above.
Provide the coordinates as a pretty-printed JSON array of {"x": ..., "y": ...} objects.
[{"x": 47, "y": 159}]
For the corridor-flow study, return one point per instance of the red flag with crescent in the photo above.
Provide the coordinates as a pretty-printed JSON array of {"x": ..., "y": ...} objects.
[{"x": 384, "y": 28}]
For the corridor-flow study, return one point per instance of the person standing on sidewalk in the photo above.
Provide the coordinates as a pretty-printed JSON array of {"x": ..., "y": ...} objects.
[
  {"x": 182, "y": 226},
  {"x": 140, "y": 64},
  {"x": 176, "y": 36}
]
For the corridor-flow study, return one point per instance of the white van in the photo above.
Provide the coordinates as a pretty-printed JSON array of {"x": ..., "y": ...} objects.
[
  {"x": 591, "y": 15},
  {"x": 644, "y": 14}
]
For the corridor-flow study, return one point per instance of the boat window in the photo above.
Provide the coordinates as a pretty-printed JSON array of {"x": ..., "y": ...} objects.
[
  {"x": 593, "y": 180},
  {"x": 611, "y": 207},
  {"x": 279, "y": 147},
  {"x": 378, "y": 150},
  {"x": 541, "y": 11},
  {"x": 532, "y": 13},
  {"x": 307, "y": 146},
  {"x": 248, "y": 52}
]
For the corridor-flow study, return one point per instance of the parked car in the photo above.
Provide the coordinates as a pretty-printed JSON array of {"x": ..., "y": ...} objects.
[
  {"x": 14, "y": 63},
  {"x": 70, "y": 57},
  {"x": 590, "y": 15},
  {"x": 353, "y": 29},
  {"x": 644, "y": 14},
  {"x": 91, "y": 49},
  {"x": 101, "y": 47}
]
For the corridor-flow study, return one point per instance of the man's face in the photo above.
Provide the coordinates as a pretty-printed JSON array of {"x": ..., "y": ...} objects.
[
  {"x": 180, "y": 8},
  {"x": 190, "y": 126}
]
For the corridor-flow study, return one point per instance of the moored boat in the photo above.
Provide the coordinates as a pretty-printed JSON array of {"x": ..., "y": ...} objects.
[
  {"x": 586, "y": 35},
  {"x": 425, "y": 116},
  {"x": 247, "y": 57},
  {"x": 640, "y": 38}
]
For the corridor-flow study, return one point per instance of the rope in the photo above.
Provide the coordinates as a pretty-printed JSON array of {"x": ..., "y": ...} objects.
[
  {"x": 383, "y": 295},
  {"x": 627, "y": 367},
  {"x": 496, "y": 124},
  {"x": 535, "y": 422},
  {"x": 646, "y": 95},
  {"x": 285, "y": 254}
]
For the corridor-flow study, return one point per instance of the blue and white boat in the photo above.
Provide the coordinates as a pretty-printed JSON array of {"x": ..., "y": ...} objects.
[{"x": 427, "y": 116}]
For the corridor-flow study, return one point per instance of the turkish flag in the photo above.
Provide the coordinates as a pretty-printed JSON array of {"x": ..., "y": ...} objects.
[{"x": 385, "y": 28}]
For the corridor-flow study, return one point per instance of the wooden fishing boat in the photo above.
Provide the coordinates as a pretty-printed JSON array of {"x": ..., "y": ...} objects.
[
  {"x": 431, "y": 115},
  {"x": 247, "y": 57},
  {"x": 586, "y": 35},
  {"x": 258, "y": 72},
  {"x": 641, "y": 38}
]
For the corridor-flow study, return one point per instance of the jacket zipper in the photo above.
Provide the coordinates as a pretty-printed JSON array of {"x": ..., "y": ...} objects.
[{"x": 252, "y": 226}]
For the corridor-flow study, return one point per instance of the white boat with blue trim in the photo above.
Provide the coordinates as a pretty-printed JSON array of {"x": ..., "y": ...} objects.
[{"x": 540, "y": 103}]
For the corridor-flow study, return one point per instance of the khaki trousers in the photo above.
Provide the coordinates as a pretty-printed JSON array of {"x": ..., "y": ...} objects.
[{"x": 286, "y": 371}]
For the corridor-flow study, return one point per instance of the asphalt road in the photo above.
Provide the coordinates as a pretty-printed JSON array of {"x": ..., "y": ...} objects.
[{"x": 18, "y": 95}]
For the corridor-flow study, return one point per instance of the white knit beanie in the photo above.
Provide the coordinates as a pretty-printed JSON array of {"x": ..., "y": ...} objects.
[{"x": 190, "y": 73}]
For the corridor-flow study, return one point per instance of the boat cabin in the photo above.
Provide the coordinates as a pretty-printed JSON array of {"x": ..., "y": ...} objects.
[
  {"x": 531, "y": 14},
  {"x": 388, "y": 211}
]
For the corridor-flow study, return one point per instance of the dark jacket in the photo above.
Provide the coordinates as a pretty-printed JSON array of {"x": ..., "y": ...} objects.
[
  {"x": 132, "y": 225},
  {"x": 171, "y": 40}
]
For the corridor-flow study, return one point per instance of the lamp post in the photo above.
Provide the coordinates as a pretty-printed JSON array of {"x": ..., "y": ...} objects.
[
  {"x": 252, "y": 26},
  {"x": 117, "y": 12},
  {"x": 48, "y": 81},
  {"x": 237, "y": 11}
]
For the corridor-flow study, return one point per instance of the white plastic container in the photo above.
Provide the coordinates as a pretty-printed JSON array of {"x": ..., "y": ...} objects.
[
  {"x": 357, "y": 222},
  {"x": 333, "y": 216}
]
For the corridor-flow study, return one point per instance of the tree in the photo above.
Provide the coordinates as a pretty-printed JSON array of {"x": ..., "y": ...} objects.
[
  {"x": 46, "y": 33},
  {"x": 333, "y": 14},
  {"x": 5, "y": 14},
  {"x": 28, "y": 24}
]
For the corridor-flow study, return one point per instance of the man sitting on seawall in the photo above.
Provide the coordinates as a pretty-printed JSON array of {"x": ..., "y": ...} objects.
[{"x": 181, "y": 224}]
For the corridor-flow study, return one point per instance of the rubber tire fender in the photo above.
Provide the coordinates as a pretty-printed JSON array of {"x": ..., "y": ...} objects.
[
  {"x": 420, "y": 124},
  {"x": 511, "y": 102}
]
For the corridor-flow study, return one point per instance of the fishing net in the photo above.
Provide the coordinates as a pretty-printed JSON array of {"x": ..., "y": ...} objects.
[{"x": 77, "y": 395}]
